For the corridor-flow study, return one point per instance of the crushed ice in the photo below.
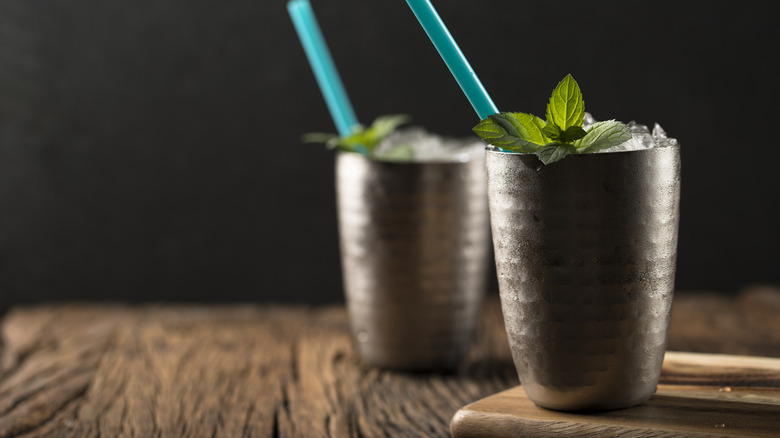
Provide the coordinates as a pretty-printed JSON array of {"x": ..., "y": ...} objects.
[
  {"x": 418, "y": 145},
  {"x": 641, "y": 137}
]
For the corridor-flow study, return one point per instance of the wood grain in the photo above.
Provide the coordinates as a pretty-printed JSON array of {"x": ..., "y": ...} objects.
[
  {"x": 674, "y": 411},
  {"x": 276, "y": 371},
  {"x": 187, "y": 371}
]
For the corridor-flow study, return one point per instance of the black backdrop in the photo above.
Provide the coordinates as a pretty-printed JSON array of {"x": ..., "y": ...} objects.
[{"x": 149, "y": 149}]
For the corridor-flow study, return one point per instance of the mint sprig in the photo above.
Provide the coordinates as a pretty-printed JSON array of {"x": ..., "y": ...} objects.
[
  {"x": 363, "y": 140},
  {"x": 560, "y": 135}
]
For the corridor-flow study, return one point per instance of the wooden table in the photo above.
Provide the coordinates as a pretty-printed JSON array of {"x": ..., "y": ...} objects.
[{"x": 268, "y": 370}]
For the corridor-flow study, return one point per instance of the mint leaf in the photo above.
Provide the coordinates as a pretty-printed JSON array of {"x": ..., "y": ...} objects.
[
  {"x": 573, "y": 133},
  {"x": 384, "y": 126},
  {"x": 553, "y": 132},
  {"x": 566, "y": 107},
  {"x": 318, "y": 137},
  {"x": 331, "y": 141},
  {"x": 554, "y": 152},
  {"x": 496, "y": 131},
  {"x": 602, "y": 135},
  {"x": 517, "y": 132},
  {"x": 530, "y": 127}
]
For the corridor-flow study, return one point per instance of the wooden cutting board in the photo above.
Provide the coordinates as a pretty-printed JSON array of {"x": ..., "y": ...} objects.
[{"x": 699, "y": 395}]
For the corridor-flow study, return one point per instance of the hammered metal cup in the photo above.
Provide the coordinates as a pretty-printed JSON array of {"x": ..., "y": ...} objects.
[
  {"x": 414, "y": 245},
  {"x": 585, "y": 252}
]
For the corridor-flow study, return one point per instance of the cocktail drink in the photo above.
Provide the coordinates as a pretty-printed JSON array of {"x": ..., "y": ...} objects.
[
  {"x": 414, "y": 245},
  {"x": 414, "y": 238},
  {"x": 584, "y": 217},
  {"x": 585, "y": 252},
  {"x": 413, "y": 227}
]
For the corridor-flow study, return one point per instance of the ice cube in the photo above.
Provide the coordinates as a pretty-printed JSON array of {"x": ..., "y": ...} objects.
[
  {"x": 660, "y": 138},
  {"x": 637, "y": 128},
  {"x": 658, "y": 131},
  {"x": 588, "y": 120}
]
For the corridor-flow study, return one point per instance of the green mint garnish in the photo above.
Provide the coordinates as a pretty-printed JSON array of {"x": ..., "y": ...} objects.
[
  {"x": 566, "y": 107},
  {"x": 561, "y": 134},
  {"x": 362, "y": 140}
]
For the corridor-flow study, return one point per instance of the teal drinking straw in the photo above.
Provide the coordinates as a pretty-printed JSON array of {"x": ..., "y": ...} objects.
[
  {"x": 453, "y": 57},
  {"x": 322, "y": 65}
]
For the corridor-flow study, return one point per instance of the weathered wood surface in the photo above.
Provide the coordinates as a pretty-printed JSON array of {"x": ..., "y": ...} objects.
[{"x": 265, "y": 371}]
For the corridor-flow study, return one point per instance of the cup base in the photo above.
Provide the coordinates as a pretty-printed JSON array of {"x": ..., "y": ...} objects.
[{"x": 576, "y": 404}]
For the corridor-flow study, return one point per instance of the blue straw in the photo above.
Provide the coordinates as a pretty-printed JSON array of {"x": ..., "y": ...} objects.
[
  {"x": 453, "y": 57},
  {"x": 322, "y": 65}
]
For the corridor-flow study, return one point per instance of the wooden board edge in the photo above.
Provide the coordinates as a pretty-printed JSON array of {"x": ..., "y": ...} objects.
[
  {"x": 722, "y": 360},
  {"x": 473, "y": 424}
]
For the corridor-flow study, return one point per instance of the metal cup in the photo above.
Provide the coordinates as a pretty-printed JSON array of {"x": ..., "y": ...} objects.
[
  {"x": 585, "y": 252},
  {"x": 414, "y": 245}
]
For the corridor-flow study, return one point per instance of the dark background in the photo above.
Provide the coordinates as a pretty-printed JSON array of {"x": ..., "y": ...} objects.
[{"x": 149, "y": 150}]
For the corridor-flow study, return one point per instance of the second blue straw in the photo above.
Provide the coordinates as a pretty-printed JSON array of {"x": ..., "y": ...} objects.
[{"x": 453, "y": 57}]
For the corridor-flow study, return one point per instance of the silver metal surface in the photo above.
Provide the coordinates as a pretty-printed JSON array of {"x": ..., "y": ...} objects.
[
  {"x": 585, "y": 252},
  {"x": 414, "y": 247}
]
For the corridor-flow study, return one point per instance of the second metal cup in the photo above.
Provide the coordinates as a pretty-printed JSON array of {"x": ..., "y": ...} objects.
[{"x": 414, "y": 247}]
